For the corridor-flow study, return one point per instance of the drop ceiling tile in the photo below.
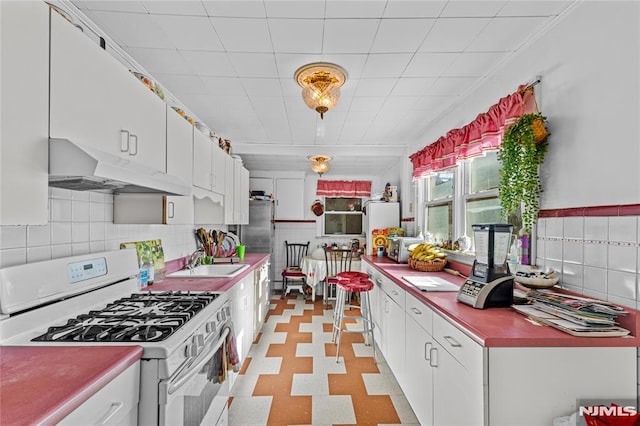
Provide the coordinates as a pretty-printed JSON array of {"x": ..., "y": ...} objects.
[
  {"x": 349, "y": 35},
  {"x": 166, "y": 7},
  {"x": 166, "y": 61},
  {"x": 462, "y": 9},
  {"x": 121, "y": 6},
  {"x": 505, "y": 34},
  {"x": 453, "y": 34},
  {"x": 189, "y": 32},
  {"x": 429, "y": 64},
  {"x": 413, "y": 9},
  {"x": 296, "y": 35},
  {"x": 254, "y": 64},
  {"x": 354, "y": 8},
  {"x": 209, "y": 63},
  {"x": 223, "y": 86},
  {"x": 453, "y": 86},
  {"x": 534, "y": 8},
  {"x": 234, "y": 8},
  {"x": 385, "y": 65},
  {"x": 401, "y": 35},
  {"x": 131, "y": 29},
  {"x": 294, "y": 9},
  {"x": 401, "y": 103},
  {"x": 181, "y": 84},
  {"x": 367, "y": 103},
  {"x": 375, "y": 86},
  {"x": 262, "y": 87},
  {"x": 433, "y": 103},
  {"x": 413, "y": 86},
  {"x": 243, "y": 35},
  {"x": 475, "y": 64}
]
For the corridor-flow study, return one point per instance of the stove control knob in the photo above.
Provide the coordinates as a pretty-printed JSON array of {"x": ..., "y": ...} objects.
[
  {"x": 210, "y": 327},
  {"x": 198, "y": 341},
  {"x": 190, "y": 350}
]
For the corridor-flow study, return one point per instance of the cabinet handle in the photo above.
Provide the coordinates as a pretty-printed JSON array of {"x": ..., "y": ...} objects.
[
  {"x": 171, "y": 209},
  {"x": 124, "y": 140},
  {"x": 386, "y": 305},
  {"x": 395, "y": 293},
  {"x": 416, "y": 311},
  {"x": 133, "y": 149},
  {"x": 379, "y": 281},
  {"x": 113, "y": 409},
  {"x": 427, "y": 351},
  {"x": 433, "y": 357},
  {"x": 453, "y": 342}
]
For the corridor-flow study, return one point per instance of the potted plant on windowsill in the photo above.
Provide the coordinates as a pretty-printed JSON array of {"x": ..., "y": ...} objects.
[{"x": 521, "y": 153}]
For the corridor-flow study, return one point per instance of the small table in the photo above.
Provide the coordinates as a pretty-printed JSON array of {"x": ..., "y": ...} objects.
[{"x": 316, "y": 271}]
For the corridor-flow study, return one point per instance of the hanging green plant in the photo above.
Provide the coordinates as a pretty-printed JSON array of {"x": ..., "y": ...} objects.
[{"x": 520, "y": 156}]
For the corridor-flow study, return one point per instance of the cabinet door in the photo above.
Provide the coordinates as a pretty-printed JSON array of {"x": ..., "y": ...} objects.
[
  {"x": 96, "y": 101},
  {"x": 179, "y": 210},
  {"x": 229, "y": 191},
  {"x": 24, "y": 84},
  {"x": 202, "y": 161},
  {"x": 218, "y": 169},
  {"x": 289, "y": 199},
  {"x": 242, "y": 314},
  {"x": 243, "y": 194},
  {"x": 418, "y": 387},
  {"x": 394, "y": 326}
]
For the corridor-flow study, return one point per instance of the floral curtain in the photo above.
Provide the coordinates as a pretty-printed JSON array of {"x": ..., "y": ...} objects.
[
  {"x": 482, "y": 134},
  {"x": 344, "y": 188}
]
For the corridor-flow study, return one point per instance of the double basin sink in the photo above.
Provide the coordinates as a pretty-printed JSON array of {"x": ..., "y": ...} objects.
[{"x": 218, "y": 270}]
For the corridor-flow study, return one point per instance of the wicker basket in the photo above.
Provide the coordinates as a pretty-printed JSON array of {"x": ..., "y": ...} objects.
[{"x": 434, "y": 265}]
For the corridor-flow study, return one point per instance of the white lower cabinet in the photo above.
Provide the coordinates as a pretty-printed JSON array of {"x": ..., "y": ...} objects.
[{"x": 114, "y": 404}]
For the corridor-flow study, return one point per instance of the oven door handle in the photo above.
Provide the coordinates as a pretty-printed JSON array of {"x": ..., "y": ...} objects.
[{"x": 192, "y": 368}]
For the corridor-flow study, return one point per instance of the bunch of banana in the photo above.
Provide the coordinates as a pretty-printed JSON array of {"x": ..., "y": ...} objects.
[{"x": 425, "y": 251}]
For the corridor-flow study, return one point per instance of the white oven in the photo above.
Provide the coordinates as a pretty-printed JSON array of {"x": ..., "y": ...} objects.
[{"x": 94, "y": 300}]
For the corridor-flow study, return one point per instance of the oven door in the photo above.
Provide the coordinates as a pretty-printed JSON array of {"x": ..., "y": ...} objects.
[{"x": 197, "y": 393}]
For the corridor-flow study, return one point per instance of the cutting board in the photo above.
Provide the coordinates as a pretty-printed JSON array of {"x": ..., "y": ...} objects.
[
  {"x": 426, "y": 283},
  {"x": 155, "y": 247}
]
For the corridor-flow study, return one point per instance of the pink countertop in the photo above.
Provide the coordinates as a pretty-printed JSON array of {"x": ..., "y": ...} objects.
[
  {"x": 499, "y": 327},
  {"x": 42, "y": 385}
]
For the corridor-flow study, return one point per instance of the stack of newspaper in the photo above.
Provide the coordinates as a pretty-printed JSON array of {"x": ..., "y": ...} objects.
[{"x": 579, "y": 316}]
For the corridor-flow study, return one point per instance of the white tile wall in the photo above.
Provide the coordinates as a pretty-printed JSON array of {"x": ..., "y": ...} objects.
[
  {"x": 82, "y": 222},
  {"x": 597, "y": 256}
]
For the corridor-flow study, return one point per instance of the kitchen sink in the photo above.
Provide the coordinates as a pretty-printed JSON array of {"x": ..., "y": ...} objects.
[{"x": 211, "y": 271}]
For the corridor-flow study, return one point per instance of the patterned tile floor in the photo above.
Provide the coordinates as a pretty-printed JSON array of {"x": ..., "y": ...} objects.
[{"x": 291, "y": 377}]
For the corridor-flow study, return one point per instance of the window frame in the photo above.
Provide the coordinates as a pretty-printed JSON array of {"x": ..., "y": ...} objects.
[{"x": 326, "y": 213}]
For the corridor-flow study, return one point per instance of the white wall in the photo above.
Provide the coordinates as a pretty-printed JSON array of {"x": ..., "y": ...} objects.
[{"x": 590, "y": 67}]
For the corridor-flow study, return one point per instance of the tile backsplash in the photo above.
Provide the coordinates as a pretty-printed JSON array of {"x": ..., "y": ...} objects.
[
  {"x": 82, "y": 222},
  {"x": 597, "y": 256}
]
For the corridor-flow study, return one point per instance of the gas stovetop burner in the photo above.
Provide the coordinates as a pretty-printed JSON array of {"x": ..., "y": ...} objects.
[{"x": 141, "y": 317}]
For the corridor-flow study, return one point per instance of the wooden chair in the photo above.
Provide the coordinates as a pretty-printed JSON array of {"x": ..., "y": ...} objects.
[
  {"x": 338, "y": 260},
  {"x": 292, "y": 276}
]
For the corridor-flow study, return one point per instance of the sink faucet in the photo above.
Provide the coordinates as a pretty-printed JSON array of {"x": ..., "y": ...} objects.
[{"x": 195, "y": 258}]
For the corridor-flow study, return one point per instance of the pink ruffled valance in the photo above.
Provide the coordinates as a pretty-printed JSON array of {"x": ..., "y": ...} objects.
[
  {"x": 482, "y": 134},
  {"x": 344, "y": 188}
]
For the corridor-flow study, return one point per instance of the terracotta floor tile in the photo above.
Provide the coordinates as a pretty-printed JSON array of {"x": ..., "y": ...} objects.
[
  {"x": 245, "y": 365},
  {"x": 296, "y": 410}
]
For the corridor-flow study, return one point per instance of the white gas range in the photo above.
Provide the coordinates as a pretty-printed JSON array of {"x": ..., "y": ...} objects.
[{"x": 94, "y": 300}]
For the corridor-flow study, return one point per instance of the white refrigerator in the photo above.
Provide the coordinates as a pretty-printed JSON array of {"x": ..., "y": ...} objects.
[{"x": 379, "y": 215}]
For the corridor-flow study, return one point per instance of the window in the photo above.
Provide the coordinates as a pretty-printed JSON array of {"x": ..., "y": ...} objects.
[
  {"x": 456, "y": 199},
  {"x": 343, "y": 216},
  {"x": 439, "y": 208}
]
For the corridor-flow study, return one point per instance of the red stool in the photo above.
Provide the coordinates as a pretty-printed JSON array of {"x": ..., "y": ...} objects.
[{"x": 354, "y": 282}]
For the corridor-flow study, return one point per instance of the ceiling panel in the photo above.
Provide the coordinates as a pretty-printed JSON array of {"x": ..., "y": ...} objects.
[
  {"x": 349, "y": 35},
  {"x": 453, "y": 34},
  {"x": 296, "y": 35},
  {"x": 401, "y": 35},
  {"x": 243, "y": 35},
  {"x": 231, "y": 65},
  {"x": 189, "y": 32}
]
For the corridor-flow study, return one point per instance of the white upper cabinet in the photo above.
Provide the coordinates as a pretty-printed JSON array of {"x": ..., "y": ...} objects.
[
  {"x": 24, "y": 84},
  {"x": 289, "y": 198},
  {"x": 208, "y": 164},
  {"x": 96, "y": 101},
  {"x": 241, "y": 194},
  {"x": 229, "y": 191}
]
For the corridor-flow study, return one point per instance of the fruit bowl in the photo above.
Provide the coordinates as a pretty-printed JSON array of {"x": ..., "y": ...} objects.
[{"x": 434, "y": 265}]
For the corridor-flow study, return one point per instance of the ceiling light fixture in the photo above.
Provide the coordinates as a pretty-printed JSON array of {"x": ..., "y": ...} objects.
[
  {"x": 321, "y": 82},
  {"x": 319, "y": 163}
]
